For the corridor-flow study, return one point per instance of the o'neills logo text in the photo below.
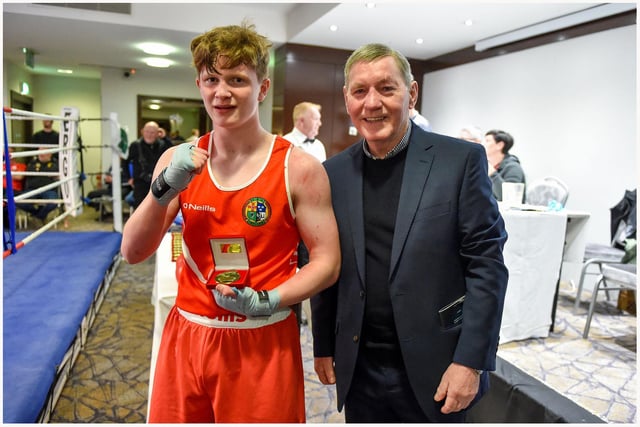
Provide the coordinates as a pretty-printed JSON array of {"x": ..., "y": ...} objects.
[{"x": 194, "y": 207}]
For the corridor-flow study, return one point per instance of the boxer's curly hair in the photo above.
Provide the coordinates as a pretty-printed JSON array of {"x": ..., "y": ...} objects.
[{"x": 237, "y": 44}]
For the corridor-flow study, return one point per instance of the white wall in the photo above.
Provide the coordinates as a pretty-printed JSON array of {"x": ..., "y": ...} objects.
[
  {"x": 119, "y": 95},
  {"x": 571, "y": 107},
  {"x": 12, "y": 76},
  {"x": 84, "y": 94}
]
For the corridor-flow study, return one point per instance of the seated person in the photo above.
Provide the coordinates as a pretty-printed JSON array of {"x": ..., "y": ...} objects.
[
  {"x": 471, "y": 133},
  {"x": 43, "y": 162},
  {"x": 95, "y": 197},
  {"x": 18, "y": 182},
  {"x": 503, "y": 167}
]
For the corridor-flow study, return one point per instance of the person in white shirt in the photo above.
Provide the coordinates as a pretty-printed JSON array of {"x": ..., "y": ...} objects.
[
  {"x": 420, "y": 120},
  {"x": 306, "y": 123}
]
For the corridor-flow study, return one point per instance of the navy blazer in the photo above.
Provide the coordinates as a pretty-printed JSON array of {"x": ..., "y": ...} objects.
[{"x": 447, "y": 243}]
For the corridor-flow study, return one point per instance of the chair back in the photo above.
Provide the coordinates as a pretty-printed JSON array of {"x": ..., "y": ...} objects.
[{"x": 543, "y": 191}]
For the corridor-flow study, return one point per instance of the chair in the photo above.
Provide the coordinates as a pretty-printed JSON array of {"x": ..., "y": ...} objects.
[
  {"x": 543, "y": 191},
  {"x": 622, "y": 227},
  {"x": 22, "y": 219},
  {"x": 596, "y": 254},
  {"x": 613, "y": 277}
]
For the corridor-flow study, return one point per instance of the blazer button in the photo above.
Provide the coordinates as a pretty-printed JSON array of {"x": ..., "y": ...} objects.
[
  {"x": 361, "y": 294},
  {"x": 356, "y": 338}
]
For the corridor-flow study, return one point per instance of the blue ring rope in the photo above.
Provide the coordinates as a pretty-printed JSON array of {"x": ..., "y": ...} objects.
[{"x": 11, "y": 204}]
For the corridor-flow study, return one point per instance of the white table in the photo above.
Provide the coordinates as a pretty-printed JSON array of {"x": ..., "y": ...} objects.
[
  {"x": 163, "y": 297},
  {"x": 533, "y": 255},
  {"x": 575, "y": 242},
  {"x": 538, "y": 244}
]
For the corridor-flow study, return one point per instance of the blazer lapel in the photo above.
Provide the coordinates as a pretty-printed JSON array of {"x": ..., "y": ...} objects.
[
  {"x": 355, "y": 208},
  {"x": 416, "y": 171}
]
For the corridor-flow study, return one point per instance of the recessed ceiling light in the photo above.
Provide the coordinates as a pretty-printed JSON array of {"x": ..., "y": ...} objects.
[
  {"x": 158, "y": 62},
  {"x": 370, "y": 5},
  {"x": 154, "y": 107},
  {"x": 156, "y": 48},
  {"x": 65, "y": 71},
  {"x": 333, "y": 28},
  {"x": 468, "y": 22},
  {"x": 419, "y": 40}
]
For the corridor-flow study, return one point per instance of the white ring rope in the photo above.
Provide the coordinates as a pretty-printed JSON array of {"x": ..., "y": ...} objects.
[
  {"x": 70, "y": 170},
  {"x": 15, "y": 114}
]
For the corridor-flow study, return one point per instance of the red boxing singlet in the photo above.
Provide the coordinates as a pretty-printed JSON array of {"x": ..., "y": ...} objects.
[{"x": 260, "y": 211}]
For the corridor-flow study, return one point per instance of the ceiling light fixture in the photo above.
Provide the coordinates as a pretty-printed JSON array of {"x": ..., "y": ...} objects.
[
  {"x": 156, "y": 48},
  {"x": 154, "y": 107},
  {"x": 370, "y": 5},
  {"x": 468, "y": 22},
  {"x": 419, "y": 40},
  {"x": 565, "y": 21},
  {"x": 28, "y": 57},
  {"x": 158, "y": 62},
  {"x": 333, "y": 28},
  {"x": 64, "y": 71}
]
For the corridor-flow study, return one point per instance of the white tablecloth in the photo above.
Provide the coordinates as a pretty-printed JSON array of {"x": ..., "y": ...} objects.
[
  {"x": 575, "y": 242},
  {"x": 163, "y": 296},
  {"x": 534, "y": 254}
]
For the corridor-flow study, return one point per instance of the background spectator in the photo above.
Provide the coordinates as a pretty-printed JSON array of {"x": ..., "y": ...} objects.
[
  {"x": 503, "y": 167},
  {"x": 143, "y": 156},
  {"x": 306, "y": 124}
]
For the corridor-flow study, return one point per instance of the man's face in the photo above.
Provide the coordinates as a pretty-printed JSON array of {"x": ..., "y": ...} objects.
[
  {"x": 378, "y": 101},
  {"x": 491, "y": 146},
  {"x": 44, "y": 157},
  {"x": 150, "y": 134},
  {"x": 231, "y": 96},
  {"x": 310, "y": 123}
]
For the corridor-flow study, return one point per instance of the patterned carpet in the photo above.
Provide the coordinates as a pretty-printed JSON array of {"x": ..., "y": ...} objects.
[
  {"x": 109, "y": 381},
  {"x": 598, "y": 373}
]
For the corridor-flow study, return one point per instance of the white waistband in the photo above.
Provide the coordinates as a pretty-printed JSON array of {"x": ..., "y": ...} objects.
[{"x": 236, "y": 321}]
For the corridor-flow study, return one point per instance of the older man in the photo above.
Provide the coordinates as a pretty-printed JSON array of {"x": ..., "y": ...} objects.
[
  {"x": 411, "y": 326},
  {"x": 306, "y": 123},
  {"x": 143, "y": 156}
]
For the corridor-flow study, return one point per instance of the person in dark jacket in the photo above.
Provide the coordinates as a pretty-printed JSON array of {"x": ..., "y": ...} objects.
[
  {"x": 503, "y": 167},
  {"x": 143, "y": 155},
  {"x": 420, "y": 232}
]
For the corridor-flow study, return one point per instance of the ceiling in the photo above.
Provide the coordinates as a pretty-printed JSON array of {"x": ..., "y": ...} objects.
[{"x": 86, "y": 41}]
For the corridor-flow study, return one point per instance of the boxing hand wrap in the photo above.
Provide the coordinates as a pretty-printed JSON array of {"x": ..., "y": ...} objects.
[
  {"x": 249, "y": 302},
  {"x": 176, "y": 177},
  {"x": 163, "y": 191}
]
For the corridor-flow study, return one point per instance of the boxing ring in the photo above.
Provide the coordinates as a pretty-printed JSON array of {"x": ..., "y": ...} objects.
[{"x": 53, "y": 287}]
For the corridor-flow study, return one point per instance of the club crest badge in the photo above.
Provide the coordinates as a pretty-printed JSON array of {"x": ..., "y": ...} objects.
[{"x": 256, "y": 211}]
